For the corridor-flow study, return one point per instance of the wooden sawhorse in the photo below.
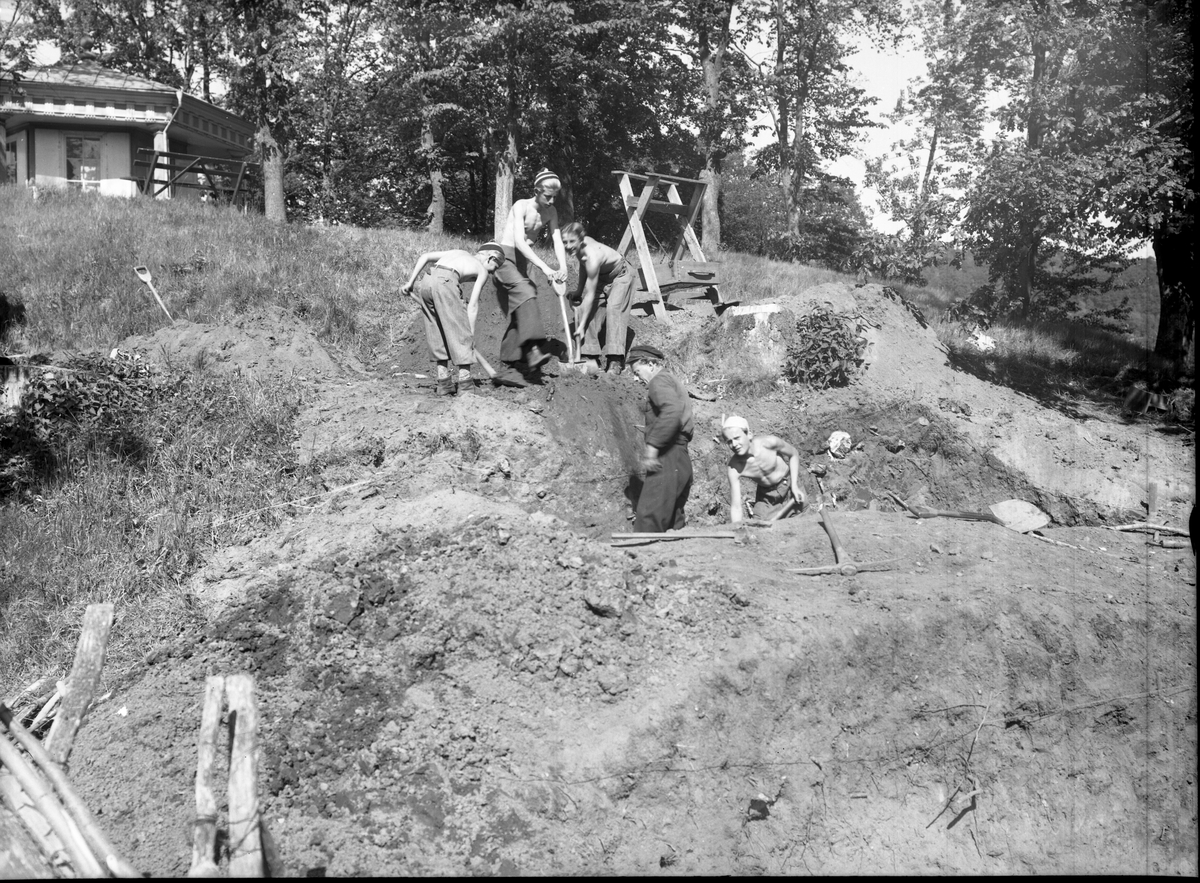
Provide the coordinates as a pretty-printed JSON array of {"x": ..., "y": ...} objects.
[{"x": 670, "y": 272}]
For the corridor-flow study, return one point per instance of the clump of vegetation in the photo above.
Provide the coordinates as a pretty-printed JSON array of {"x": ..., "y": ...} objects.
[
  {"x": 117, "y": 482},
  {"x": 823, "y": 350}
]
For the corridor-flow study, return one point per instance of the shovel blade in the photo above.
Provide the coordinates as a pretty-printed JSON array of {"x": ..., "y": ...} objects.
[{"x": 1019, "y": 515}]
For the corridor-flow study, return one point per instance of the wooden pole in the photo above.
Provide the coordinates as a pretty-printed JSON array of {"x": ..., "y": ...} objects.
[
  {"x": 245, "y": 841},
  {"x": 82, "y": 682},
  {"x": 21, "y": 808},
  {"x": 82, "y": 859},
  {"x": 96, "y": 839},
  {"x": 204, "y": 832},
  {"x": 19, "y": 855},
  {"x": 677, "y": 535}
]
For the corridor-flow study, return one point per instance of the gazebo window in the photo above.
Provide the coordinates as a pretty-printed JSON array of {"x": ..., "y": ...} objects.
[{"x": 83, "y": 162}]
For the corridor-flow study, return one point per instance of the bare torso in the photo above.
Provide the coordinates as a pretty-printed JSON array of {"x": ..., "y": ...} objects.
[
  {"x": 461, "y": 262},
  {"x": 533, "y": 218},
  {"x": 761, "y": 464},
  {"x": 598, "y": 256}
]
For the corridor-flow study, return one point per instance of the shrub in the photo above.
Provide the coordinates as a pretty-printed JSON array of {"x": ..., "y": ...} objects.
[{"x": 824, "y": 350}]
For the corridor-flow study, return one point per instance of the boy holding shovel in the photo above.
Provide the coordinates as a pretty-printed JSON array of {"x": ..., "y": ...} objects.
[
  {"x": 523, "y": 345},
  {"x": 604, "y": 295},
  {"x": 449, "y": 324},
  {"x": 761, "y": 458}
]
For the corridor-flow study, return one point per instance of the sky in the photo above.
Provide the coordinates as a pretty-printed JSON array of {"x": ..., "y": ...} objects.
[{"x": 883, "y": 75}]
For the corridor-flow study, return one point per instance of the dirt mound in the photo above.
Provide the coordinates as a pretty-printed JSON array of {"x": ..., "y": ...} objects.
[
  {"x": 455, "y": 674},
  {"x": 506, "y": 696},
  {"x": 265, "y": 343},
  {"x": 1081, "y": 466}
]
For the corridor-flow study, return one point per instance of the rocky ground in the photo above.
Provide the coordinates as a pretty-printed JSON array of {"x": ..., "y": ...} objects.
[{"x": 456, "y": 673}]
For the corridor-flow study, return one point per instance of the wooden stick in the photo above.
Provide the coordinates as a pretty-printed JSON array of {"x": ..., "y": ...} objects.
[
  {"x": 560, "y": 288},
  {"x": 84, "y": 862},
  {"x": 1147, "y": 526},
  {"x": 245, "y": 842},
  {"x": 82, "y": 682},
  {"x": 19, "y": 851},
  {"x": 34, "y": 824},
  {"x": 13, "y": 700},
  {"x": 47, "y": 709},
  {"x": 96, "y": 839},
  {"x": 482, "y": 362},
  {"x": 677, "y": 535},
  {"x": 1152, "y": 501},
  {"x": 204, "y": 832}
]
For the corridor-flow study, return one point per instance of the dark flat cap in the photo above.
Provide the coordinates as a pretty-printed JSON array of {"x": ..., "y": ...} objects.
[{"x": 641, "y": 351}]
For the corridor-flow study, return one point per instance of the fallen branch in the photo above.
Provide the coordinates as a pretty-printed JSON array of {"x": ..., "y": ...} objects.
[
  {"x": 1147, "y": 526},
  {"x": 677, "y": 535},
  {"x": 33, "y": 823},
  {"x": 47, "y": 710},
  {"x": 96, "y": 839},
  {"x": 43, "y": 799},
  {"x": 82, "y": 682},
  {"x": 20, "y": 856}
]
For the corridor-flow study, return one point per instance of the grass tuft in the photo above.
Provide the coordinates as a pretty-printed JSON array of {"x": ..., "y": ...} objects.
[{"x": 128, "y": 514}]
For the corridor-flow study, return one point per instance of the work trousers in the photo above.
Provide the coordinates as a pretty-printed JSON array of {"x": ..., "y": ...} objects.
[
  {"x": 767, "y": 499},
  {"x": 447, "y": 329},
  {"x": 614, "y": 300},
  {"x": 665, "y": 493},
  {"x": 517, "y": 297}
]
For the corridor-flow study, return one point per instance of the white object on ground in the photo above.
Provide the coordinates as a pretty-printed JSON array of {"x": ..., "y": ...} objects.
[{"x": 840, "y": 444}]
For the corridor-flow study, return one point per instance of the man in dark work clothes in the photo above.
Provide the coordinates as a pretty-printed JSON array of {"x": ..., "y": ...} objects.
[{"x": 666, "y": 461}]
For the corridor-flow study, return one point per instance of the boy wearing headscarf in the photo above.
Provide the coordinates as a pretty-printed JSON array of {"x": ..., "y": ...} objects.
[
  {"x": 523, "y": 346},
  {"x": 761, "y": 459},
  {"x": 449, "y": 324},
  {"x": 665, "y": 461}
]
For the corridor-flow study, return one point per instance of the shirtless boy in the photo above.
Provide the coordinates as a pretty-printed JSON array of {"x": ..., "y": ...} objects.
[
  {"x": 761, "y": 459},
  {"x": 523, "y": 345},
  {"x": 605, "y": 295},
  {"x": 449, "y": 325}
]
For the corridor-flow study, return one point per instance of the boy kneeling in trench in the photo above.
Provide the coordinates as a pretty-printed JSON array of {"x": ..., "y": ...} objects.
[{"x": 761, "y": 458}]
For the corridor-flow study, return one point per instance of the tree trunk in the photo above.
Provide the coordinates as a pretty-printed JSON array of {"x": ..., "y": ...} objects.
[
  {"x": 436, "y": 212},
  {"x": 713, "y": 43},
  {"x": 1174, "y": 252},
  {"x": 783, "y": 100},
  {"x": 506, "y": 162},
  {"x": 1025, "y": 268},
  {"x": 274, "y": 206}
]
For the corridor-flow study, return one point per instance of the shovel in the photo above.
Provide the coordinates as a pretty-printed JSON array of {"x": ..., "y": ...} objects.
[
  {"x": 1015, "y": 515},
  {"x": 144, "y": 275},
  {"x": 560, "y": 288}
]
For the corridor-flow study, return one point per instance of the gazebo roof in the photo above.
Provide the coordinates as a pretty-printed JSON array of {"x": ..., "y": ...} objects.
[{"x": 90, "y": 74}]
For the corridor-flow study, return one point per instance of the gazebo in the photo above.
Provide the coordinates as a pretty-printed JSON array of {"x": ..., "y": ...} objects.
[{"x": 87, "y": 127}]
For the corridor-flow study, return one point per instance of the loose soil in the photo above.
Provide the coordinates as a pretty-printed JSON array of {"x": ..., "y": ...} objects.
[{"x": 456, "y": 674}]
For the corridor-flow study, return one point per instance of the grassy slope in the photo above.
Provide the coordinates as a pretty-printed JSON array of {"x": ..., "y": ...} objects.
[{"x": 132, "y": 529}]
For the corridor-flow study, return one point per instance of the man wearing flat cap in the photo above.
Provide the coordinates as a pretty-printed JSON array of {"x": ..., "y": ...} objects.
[
  {"x": 770, "y": 462},
  {"x": 449, "y": 324},
  {"x": 523, "y": 346},
  {"x": 666, "y": 462}
]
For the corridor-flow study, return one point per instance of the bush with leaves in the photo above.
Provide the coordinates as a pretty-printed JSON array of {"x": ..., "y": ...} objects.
[
  {"x": 89, "y": 403},
  {"x": 823, "y": 350}
]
